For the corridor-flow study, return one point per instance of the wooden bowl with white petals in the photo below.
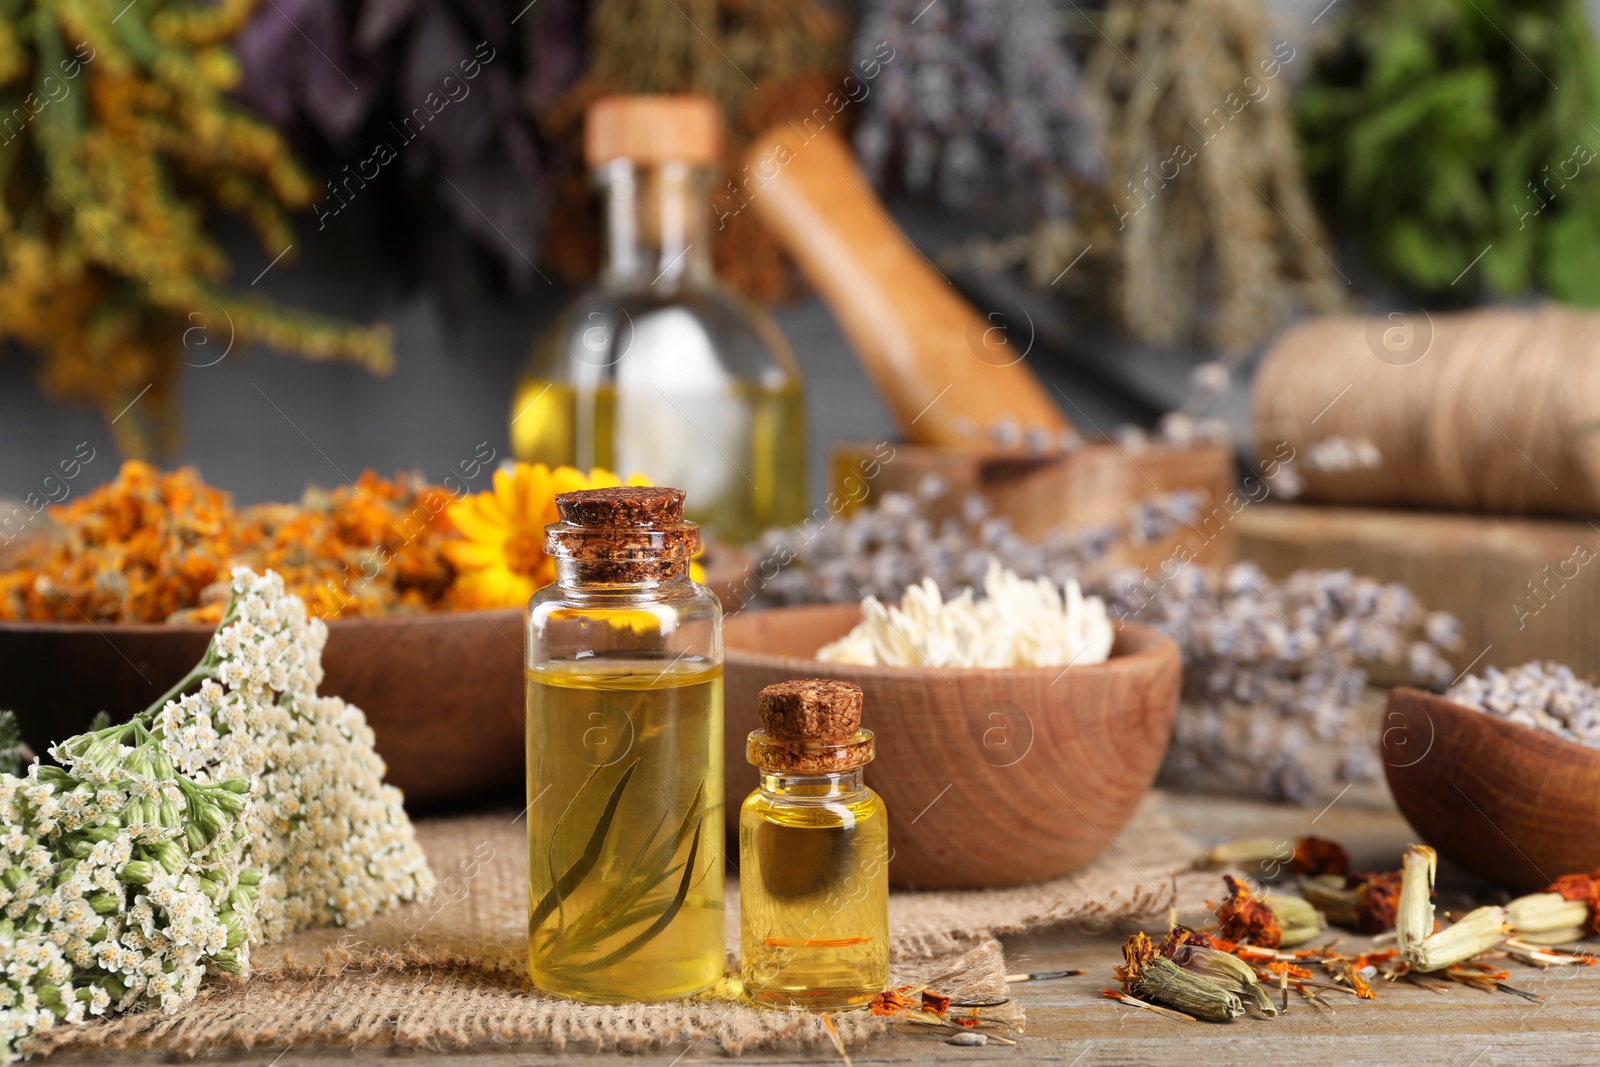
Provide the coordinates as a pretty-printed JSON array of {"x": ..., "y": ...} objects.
[{"x": 993, "y": 777}]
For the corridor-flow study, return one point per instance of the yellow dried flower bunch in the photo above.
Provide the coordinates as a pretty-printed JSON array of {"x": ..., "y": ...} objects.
[{"x": 116, "y": 139}]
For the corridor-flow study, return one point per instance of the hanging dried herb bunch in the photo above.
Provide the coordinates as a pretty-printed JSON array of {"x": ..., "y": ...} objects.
[
  {"x": 1203, "y": 218},
  {"x": 979, "y": 107},
  {"x": 763, "y": 61},
  {"x": 118, "y": 139},
  {"x": 1437, "y": 130}
]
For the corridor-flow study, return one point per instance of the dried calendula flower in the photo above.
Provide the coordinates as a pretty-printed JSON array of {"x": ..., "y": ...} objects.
[
  {"x": 1364, "y": 902},
  {"x": 1149, "y": 974},
  {"x": 1548, "y": 918},
  {"x": 1298, "y": 920},
  {"x": 1584, "y": 887},
  {"x": 1193, "y": 953},
  {"x": 1318, "y": 855},
  {"x": 1270, "y": 856},
  {"x": 1337, "y": 898},
  {"x": 1422, "y": 948},
  {"x": 1243, "y": 918},
  {"x": 888, "y": 1002}
]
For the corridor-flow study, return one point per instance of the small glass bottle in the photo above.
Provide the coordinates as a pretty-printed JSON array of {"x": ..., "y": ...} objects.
[
  {"x": 813, "y": 854},
  {"x": 625, "y": 758},
  {"x": 659, "y": 369}
]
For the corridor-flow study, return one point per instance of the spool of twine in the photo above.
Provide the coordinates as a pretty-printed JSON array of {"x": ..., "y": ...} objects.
[{"x": 1494, "y": 410}]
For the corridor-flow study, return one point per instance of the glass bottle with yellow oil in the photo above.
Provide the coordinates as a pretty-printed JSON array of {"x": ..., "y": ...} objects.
[
  {"x": 813, "y": 854},
  {"x": 659, "y": 369},
  {"x": 625, "y": 757}
]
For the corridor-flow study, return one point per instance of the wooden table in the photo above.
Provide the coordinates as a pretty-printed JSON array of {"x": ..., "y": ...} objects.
[{"x": 1071, "y": 1025}]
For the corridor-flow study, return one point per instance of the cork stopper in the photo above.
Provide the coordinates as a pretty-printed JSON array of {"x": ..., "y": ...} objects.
[
  {"x": 810, "y": 726},
  {"x": 623, "y": 505},
  {"x": 810, "y": 709},
  {"x": 631, "y": 533},
  {"x": 653, "y": 130}
]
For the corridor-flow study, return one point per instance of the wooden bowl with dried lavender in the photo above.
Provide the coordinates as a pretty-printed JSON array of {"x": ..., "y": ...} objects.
[
  {"x": 994, "y": 775},
  {"x": 1501, "y": 774}
]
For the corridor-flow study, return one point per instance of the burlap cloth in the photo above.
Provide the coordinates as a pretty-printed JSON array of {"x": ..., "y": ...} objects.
[{"x": 450, "y": 973}]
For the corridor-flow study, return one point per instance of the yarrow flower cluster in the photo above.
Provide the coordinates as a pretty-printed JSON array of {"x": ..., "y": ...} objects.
[{"x": 233, "y": 814}]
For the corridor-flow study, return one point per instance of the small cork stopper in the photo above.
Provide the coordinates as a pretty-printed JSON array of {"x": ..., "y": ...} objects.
[
  {"x": 810, "y": 726},
  {"x": 653, "y": 129},
  {"x": 630, "y": 533},
  {"x": 810, "y": 709},
  {"x": 624, "y": 505}
]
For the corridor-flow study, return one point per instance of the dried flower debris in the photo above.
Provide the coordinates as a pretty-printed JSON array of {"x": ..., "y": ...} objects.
[
  {"x": 958, "y": 1020},
  {"x": 1250, "y": 954}
]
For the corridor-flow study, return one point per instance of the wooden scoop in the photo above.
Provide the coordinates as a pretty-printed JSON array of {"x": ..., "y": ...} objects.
[{"x": 949, "y": 374}]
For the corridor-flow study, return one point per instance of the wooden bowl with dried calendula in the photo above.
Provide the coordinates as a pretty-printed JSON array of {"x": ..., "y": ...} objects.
[
  {"x": 994, "y": 775},
  {"x": 1515, "y": 804}
]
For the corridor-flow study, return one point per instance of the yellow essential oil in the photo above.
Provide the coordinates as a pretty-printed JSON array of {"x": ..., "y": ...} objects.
[
  {"x": 625, "y": 834},
  {"x": 625, "y": 756},
  {"x": 813, "y": 862},
  {"x": 745, "y": 469}
]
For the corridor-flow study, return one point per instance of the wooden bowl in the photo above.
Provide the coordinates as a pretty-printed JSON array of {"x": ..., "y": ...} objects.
[
  {"x": 1513, "y": 804},
  {"x": 442, "y": 692},
  {"x": 992, "y": 777}
]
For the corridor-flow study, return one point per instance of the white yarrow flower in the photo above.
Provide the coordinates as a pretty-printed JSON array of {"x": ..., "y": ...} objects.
[{"x": 235, "y": 808}]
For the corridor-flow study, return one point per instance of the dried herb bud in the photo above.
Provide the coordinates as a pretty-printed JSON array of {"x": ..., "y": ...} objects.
[
  {"x": 1250, "y": 852},
  {"x": 1414, "y": 915},
  {"x": 1478, "y": 931},
  {"x": 1228, "y": 971},
  {"x": 1243, "y": 918},
  {"x": 1318, "y": 855},
  {"x": 1165, "y": 982},
  {"x": 1298, "y": 921},
  {"x": 1267, "y": 857},
  {"x": 1539, "y": 913},
  {"x": 1564, "y": 936},
  {"x": 1421, "y": 948}
]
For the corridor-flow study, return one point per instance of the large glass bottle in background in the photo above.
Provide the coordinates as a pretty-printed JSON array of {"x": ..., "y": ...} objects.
[{"x": 659, "y": 369}]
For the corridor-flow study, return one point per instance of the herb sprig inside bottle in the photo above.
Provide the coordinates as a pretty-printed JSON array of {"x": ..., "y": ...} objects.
[{"x": 624, "y": 703}]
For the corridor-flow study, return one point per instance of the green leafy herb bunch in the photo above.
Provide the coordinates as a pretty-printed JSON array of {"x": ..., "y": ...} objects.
[{"x": 1450, "y": 134}]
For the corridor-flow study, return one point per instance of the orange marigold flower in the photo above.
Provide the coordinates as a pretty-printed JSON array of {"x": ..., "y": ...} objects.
[{"x": 1242, "y": 917}]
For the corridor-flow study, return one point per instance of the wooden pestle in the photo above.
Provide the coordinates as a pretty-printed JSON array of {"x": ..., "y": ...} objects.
[{"x": 947, "y": 373}]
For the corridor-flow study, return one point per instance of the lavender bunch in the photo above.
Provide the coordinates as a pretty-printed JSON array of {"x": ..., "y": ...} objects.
[
  {"x": 214, "y": 820},
  {"x": 980, "y": 102},
  {"x": 1275, "y": 670}
]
